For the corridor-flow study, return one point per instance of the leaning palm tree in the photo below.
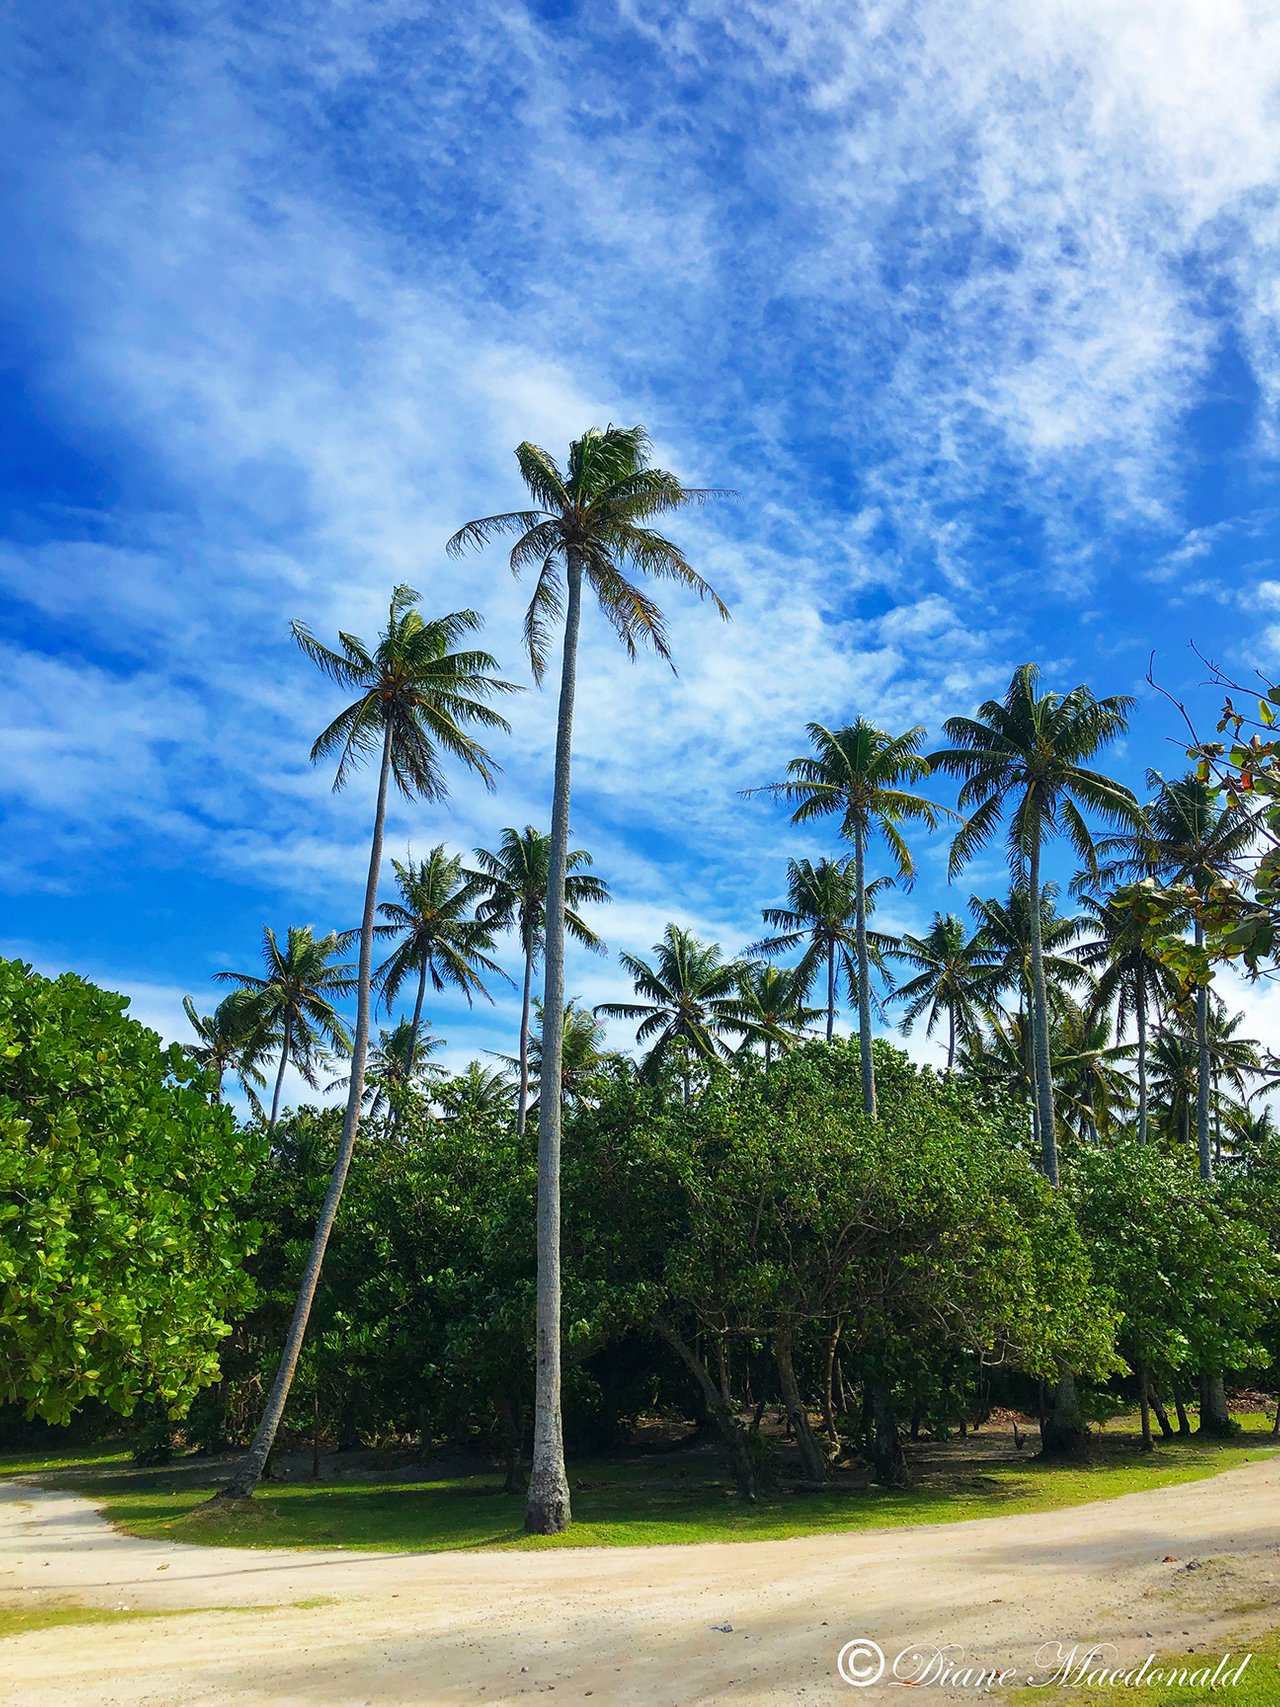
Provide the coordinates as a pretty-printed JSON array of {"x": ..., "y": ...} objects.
[
  {"x": 513, "y": 886},
  {"x": 821, "y": 915},
  {"x": 775, "y": 999},
  {"x": 1132, "y": 983},
  {"x": 691, "y": 1003},
  {"x": 955, "y": 976},
  {"x": 295, "y": 997},
  {"x": 1027, "y": 754},
  {"x": 1193, "y": 840},
  {"x": 437, "y": 937},
  {"x": 858, "y": 774},
  {"x": 591, "y": 522},
  {"x": 415, "y": 695},
  {"x": 234, "y": 1038}
]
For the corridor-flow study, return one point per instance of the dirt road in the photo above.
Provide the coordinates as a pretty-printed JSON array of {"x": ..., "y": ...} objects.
[{"x": 1190, "y": 1566}]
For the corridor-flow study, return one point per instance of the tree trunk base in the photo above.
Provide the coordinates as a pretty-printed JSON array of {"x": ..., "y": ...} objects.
[
  {"x": 547, "y": 1510},
  {"x": 1063, "y": 1433},
  {"x": 1215, "y": 1418}
]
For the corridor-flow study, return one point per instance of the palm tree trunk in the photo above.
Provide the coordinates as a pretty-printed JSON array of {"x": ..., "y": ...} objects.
[
  {"x": 951, "y": 1038},
  {"x": 522, "y": 1110},
  {"x": 547, "y": 1509},
  {"x": 286, "y": 1044},
  {"x": 1043, "y": 1082},
  {"x": 831, "y": 990},
  {"x": 417, "y": 1018},
  {"x": 1140, "y": 1022},
  {"x": 865, "y": 1062},
  {"x": 249, "y": 1472},
  {"x": 1202, "y": 1070}
]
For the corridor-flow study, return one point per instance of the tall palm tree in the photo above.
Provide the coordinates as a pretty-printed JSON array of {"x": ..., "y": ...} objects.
[
  {"x": 439, "y": 939},
  {"x": 513, "y": 884},
  {"x": 1192, "y": 840},
  {"x": 775, "y": 1000},
  {"x": 822, "y": 915},
  {"x": 1132, "y": 983},
  {"x": 234, "y": 1038},
  {"x": 416, "y": 693},
  {"x": 590, "y": 524},
  {"x": 584, "y": 1052},
  {"x": 692, "y": 1002},
  {"x": 955, "y": 976},
  {"x": 858, "y": 773},
  {"x": 296, "y": 997},
  {"x": 1027, "y": 755},
  {"x": 1094, "y": 1088}
]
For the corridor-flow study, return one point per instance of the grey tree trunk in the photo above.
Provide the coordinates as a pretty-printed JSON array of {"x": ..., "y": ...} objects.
[
  {"x": 1215, "y": 1417},
  {"x": 522, "y": 1111},
  {"x": 887, "y": 1455},
  {"x": 865, "y": 1061},
  {"x": 813, "y": 1459},
  {"x": 547, "y": 1509},
  {"x": 286, "y": 1044},
  {"x": 249, "y": 1472},
  {"x": 1203, "y": 1071},
  {"x": 417, "y": 1015},
  {"x": 1043, "y": 1087},
  {"x": 951, "y": 1038},
  {"x": 1140, "y": 1023},
  {"x": 1063, "y": 1433},
  {"x": 831, "y": 990}
]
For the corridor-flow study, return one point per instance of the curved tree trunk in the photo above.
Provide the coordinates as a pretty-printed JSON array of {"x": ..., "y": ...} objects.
[
  {"x": 865, "y": 1061},
  {"x": 1043, "y": 1086},
  {"x": 286, "y": 1045},
  {"x": 417, "y": 1015},
  {"x": 249, "y": 1472},
  {"x": 831, "y": 990},
  {"x": 1203, "y": 1071},
  {"x": 721, "y": 1412},
  {"x": 522, "y": 1110},
  {"x": 813, "y": 1459},
  {"x": 547, "y": 1509},
  {"x": 1140, "y": 1024}
]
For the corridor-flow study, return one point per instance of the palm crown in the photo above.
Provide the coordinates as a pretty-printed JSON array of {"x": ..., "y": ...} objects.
[
  {"x": 691, "y": 999},
  {"x": 512, "y": 884},
  {"x": 595, "y": 511},
  {"x": 954, "y": 976},
  {"x": 440, "y": 941},
  {"x": 235, "y": 1037}
]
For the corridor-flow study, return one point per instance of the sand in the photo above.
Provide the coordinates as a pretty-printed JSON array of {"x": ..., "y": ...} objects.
[{"x": 1195, "y": 1566}]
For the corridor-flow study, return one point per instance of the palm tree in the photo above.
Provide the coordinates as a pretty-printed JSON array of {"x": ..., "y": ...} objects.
[
  {"x": 1193, "y": 840},
  {"x": 398, "y": 1068},
  {"x": 955, "y": 976},
  {"x": 439, "y": 940},
  {"x": 1028, "y": 753},
  {"x": 234, "y": 1038},
  {"x": 858, "y": 773},
  {"x": 513, "y": 882},
  {"x": 295, "y": 999},
  {"x": 583, "y": 1054},
  {"x": 822, "y": 912},
  {"x": 590, "y": 522},
  {"x": 1132, "y": 982},
  {"x": 774, "y": 999},
  {"x": 692, "y": 1002},
  {"x": 480, "y": 1090},
  {"x": 415, "y": 695},
  {"x": 1094, "y": 1088}
]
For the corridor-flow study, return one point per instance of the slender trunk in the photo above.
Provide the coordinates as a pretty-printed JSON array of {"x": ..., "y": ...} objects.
[
  {"x": 286, "y": 1046},
  {"x": 865, "y": 1061},
  {"x": 828, "y": 1388},
  {"x": 1144, "y": 1400},
  {"x": 417, "y": 1017},
  {"x": 249, "y": 1472},
  {"x": 831, "y": 991},
  {"x": 1162, "y": 1416},
  {"x": 1202, "y": 1070},
  {"x": 522, "y": 1112},
  {"x": 1140, "y": 1022},
  {"x": 890, "y": 1465},
  {"x": 1275, "y": 1421},
  {"x": 315, "y": 1435},
  {"x": 1040, "y": 1020},
  {"x": 722, "y": 1369},
  {"x": 547, "y": 1510},
  {"x": 1184, "y": 1422},
  {"x": 813, "y": 1460},
  {"x": 731, "y": 1430},
  {"x": 951, "y": 1039}
]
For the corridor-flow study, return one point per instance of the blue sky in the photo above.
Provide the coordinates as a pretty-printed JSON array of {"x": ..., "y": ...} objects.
[{"x": 974, "y": 305}]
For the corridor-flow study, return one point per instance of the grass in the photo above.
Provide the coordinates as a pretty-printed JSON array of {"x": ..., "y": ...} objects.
[
  {"x": 634, "y": 1501},
  {"x": 1258, "y": 1687},
  {"x": 46, "y": 1615}
]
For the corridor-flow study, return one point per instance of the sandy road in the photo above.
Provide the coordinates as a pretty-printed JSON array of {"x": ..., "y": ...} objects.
[{"x": 627, "y": 1625}]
